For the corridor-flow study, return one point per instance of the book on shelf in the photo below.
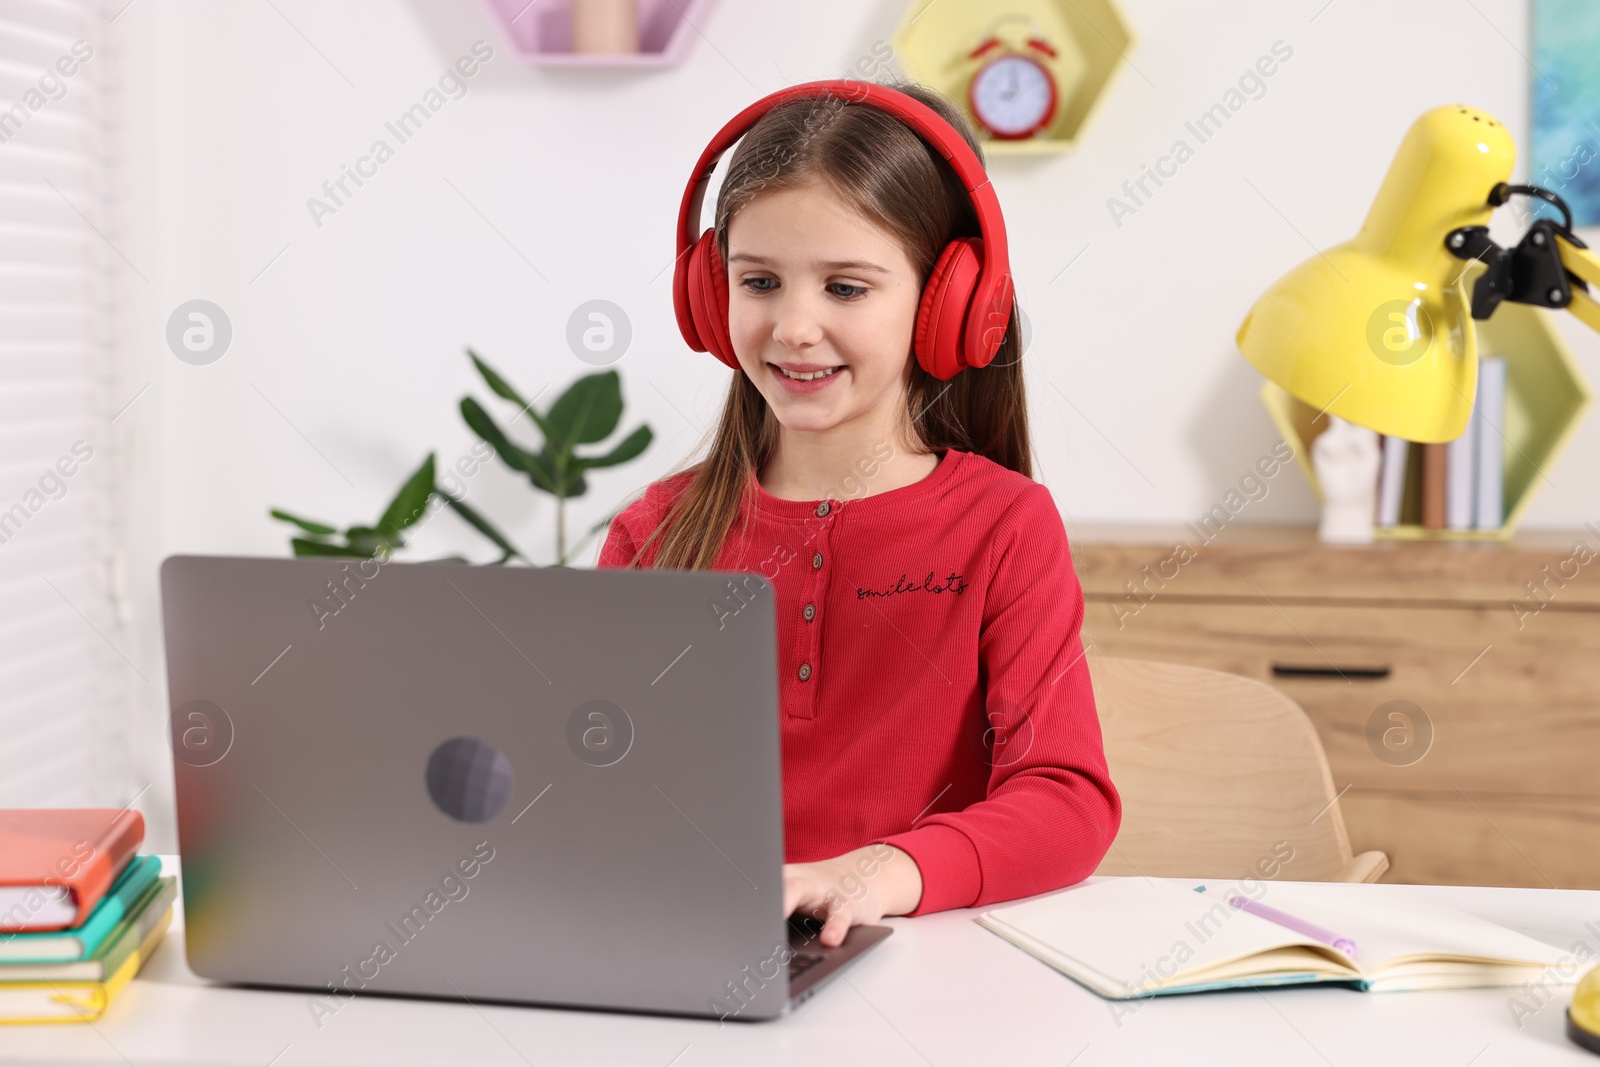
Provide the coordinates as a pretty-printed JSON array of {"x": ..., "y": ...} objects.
[
  {"x": 1490, "y": 411},
  {"x": 1392, "y": 481},
  {"x": 1454, "y": 485},
  {"x": 1461, "y": 489},
  {"x": 1411, "y": 487},
  {"x": 1433, "y": 486}
]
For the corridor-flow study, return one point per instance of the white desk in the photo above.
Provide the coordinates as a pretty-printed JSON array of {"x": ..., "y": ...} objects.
[{"x": 941, "y": 991}]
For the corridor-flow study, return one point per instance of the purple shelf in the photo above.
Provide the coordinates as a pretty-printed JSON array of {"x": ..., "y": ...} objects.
[{"x": 541, "y": 32}]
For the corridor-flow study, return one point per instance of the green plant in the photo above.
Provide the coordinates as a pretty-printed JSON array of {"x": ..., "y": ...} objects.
[
  {"x": 388, "y": 534},
  {"x": 587, "y": 413}
]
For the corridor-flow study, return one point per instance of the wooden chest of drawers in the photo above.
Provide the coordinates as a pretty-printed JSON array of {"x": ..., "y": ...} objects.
[{"x": 1455, "y": 686}]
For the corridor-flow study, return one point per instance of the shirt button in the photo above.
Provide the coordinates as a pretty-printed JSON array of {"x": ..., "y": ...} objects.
[
  {"x": 823, "y": 509},
  {"x": 816, "y": 561},
  {"x": 810, "y": 612},
  {"x": 805, "y": 671}
]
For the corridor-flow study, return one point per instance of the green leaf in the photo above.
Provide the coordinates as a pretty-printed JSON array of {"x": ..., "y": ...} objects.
[
  {"x": 515, "y": 457},
  {"x": 543, "y": 472},
  {"x": 479, "y": 523},
  {"x": 368, "y": 540},
  {"x": 573, "y": 485},
  {"x": 410, "y": 502},
  {"x": 503, "y": 389},
  {"x": 564, "y": 479},
  {"x": 498, "y": 385},
  {"x": 631, "y": 446},
  {"x": 303, "y": 547},
  {"x": 320, "y": 529},
  {"x": 586, "y": 413}
]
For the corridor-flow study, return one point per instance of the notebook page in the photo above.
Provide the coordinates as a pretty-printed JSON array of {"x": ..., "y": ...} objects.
[
  {"x": 1143, "y": 933},
  {"x": 1104, "y": 984},
  {"x": 1390, "y": 928}
]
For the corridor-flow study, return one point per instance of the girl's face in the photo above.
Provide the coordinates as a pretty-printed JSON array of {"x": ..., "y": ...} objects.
[{"x": 813, "y": 286}]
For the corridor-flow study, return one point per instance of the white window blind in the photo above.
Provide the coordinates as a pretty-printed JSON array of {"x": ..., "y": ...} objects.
[{"x": 64, "y": 684}]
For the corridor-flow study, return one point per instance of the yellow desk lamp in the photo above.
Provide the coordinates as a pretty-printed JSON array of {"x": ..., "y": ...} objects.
[
  {"x": 1583, "y": 1017},
  {"x": 1379, "y": 330}
]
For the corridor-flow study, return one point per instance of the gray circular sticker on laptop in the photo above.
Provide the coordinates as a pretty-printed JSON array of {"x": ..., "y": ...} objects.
[
  {"x": 469, "y": 779},
  {"x": 599, "y": 732}
]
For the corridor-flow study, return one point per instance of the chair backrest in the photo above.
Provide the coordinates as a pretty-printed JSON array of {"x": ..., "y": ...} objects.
[{"x": 1220, "y": 776}]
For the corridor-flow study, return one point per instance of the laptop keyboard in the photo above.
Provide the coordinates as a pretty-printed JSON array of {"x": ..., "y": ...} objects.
[{"x": 802, "y": 962}]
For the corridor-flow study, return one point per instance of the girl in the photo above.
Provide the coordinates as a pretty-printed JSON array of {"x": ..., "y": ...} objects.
[{"x": 940, "y": 743}]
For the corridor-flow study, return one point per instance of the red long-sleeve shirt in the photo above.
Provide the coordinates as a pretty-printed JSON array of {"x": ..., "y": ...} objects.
[{"x": 932, "y": 682}]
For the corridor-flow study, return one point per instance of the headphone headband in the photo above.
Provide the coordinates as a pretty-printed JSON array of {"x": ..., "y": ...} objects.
[{"x": 990, "y": 313}]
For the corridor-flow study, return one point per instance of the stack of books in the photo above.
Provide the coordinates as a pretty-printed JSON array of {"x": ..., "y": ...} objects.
[
  {"x": 1457, "y": 485},
  {"x": 80, "y": 911}
]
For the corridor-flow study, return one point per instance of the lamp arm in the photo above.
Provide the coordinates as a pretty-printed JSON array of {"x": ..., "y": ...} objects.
[
  {"x": 1583, "y": 264},
  {"x": 1536, "y": 271},
  {"x": 1550, "y": 267}
]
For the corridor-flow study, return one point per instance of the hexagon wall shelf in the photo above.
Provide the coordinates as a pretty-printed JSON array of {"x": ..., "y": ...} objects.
[
  {"x": 541, "y": 32},
  {"x": 1546, "y": 396},
  {"x": 934, "y": 42}
]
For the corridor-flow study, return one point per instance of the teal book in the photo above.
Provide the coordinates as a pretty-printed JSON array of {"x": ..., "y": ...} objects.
[
  {"x": 152, "y": 909},
  {"x": 81, "y": 942}
]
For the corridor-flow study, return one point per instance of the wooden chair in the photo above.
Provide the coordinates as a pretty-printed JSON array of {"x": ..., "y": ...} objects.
[{"x": 1220, "y": 777}]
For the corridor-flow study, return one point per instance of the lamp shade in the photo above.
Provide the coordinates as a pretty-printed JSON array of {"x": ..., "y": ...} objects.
[
  {"x": 1583, "y": 1017},
  {"x": 1379, "y": 330}
]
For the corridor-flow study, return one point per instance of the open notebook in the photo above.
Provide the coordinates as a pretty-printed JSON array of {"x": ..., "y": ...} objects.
[{"x": 1133, "y": 937}]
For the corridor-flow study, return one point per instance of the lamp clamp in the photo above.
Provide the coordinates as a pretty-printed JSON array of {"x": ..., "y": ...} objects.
[{"x": 1529, "y": 273}]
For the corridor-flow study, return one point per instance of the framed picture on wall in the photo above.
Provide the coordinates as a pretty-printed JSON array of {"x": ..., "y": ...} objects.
[{"x": 1565, "y": 155}]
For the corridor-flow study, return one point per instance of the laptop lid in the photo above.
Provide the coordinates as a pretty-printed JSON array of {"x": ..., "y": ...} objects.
[{"x": 540, "y": 785}]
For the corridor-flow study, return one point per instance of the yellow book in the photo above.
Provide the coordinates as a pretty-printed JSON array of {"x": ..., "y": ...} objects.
[{"x": 45, "y": 1002}]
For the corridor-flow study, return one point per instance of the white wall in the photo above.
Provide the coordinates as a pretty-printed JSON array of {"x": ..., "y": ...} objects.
[{"x": 233, "y": 117}]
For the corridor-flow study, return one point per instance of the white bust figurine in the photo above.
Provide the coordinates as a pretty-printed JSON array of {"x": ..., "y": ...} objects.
[{"x": 1346, "y": 458}]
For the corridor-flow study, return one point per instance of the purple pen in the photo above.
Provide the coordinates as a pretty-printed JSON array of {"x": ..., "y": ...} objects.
[{"x": 1299, "y": 926}]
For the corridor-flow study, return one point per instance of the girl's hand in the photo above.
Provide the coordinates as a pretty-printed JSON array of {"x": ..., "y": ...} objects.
[{"x": 856, "y": 888}]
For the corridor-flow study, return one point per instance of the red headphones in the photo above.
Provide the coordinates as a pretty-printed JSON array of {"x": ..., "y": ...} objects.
[{"x": 966, "y": 303}]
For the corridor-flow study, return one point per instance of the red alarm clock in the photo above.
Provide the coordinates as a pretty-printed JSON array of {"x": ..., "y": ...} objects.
[{"x": 1013, "y": 95}]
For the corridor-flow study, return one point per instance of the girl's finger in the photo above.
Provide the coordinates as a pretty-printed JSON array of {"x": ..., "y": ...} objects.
[{"x": 836, "y": 927}]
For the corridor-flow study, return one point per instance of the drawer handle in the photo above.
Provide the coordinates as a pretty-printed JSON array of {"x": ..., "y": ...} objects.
[{"x": 1286, "y": 670}]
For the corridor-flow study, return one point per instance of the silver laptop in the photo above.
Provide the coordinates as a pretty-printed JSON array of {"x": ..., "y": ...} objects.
[{"x": 533, "y": 785}]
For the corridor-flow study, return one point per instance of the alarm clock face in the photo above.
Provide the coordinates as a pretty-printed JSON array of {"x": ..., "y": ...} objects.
[{"x": 1013, "y": 96}]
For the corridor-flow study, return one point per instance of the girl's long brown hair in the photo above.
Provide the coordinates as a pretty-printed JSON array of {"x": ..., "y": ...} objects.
[{"x": 879, "y": 166}]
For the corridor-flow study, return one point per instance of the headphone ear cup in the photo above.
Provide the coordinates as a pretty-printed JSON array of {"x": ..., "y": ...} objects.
[
  {"x": 708, "y": 299},
  {"x": 942, "y": 313}
]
